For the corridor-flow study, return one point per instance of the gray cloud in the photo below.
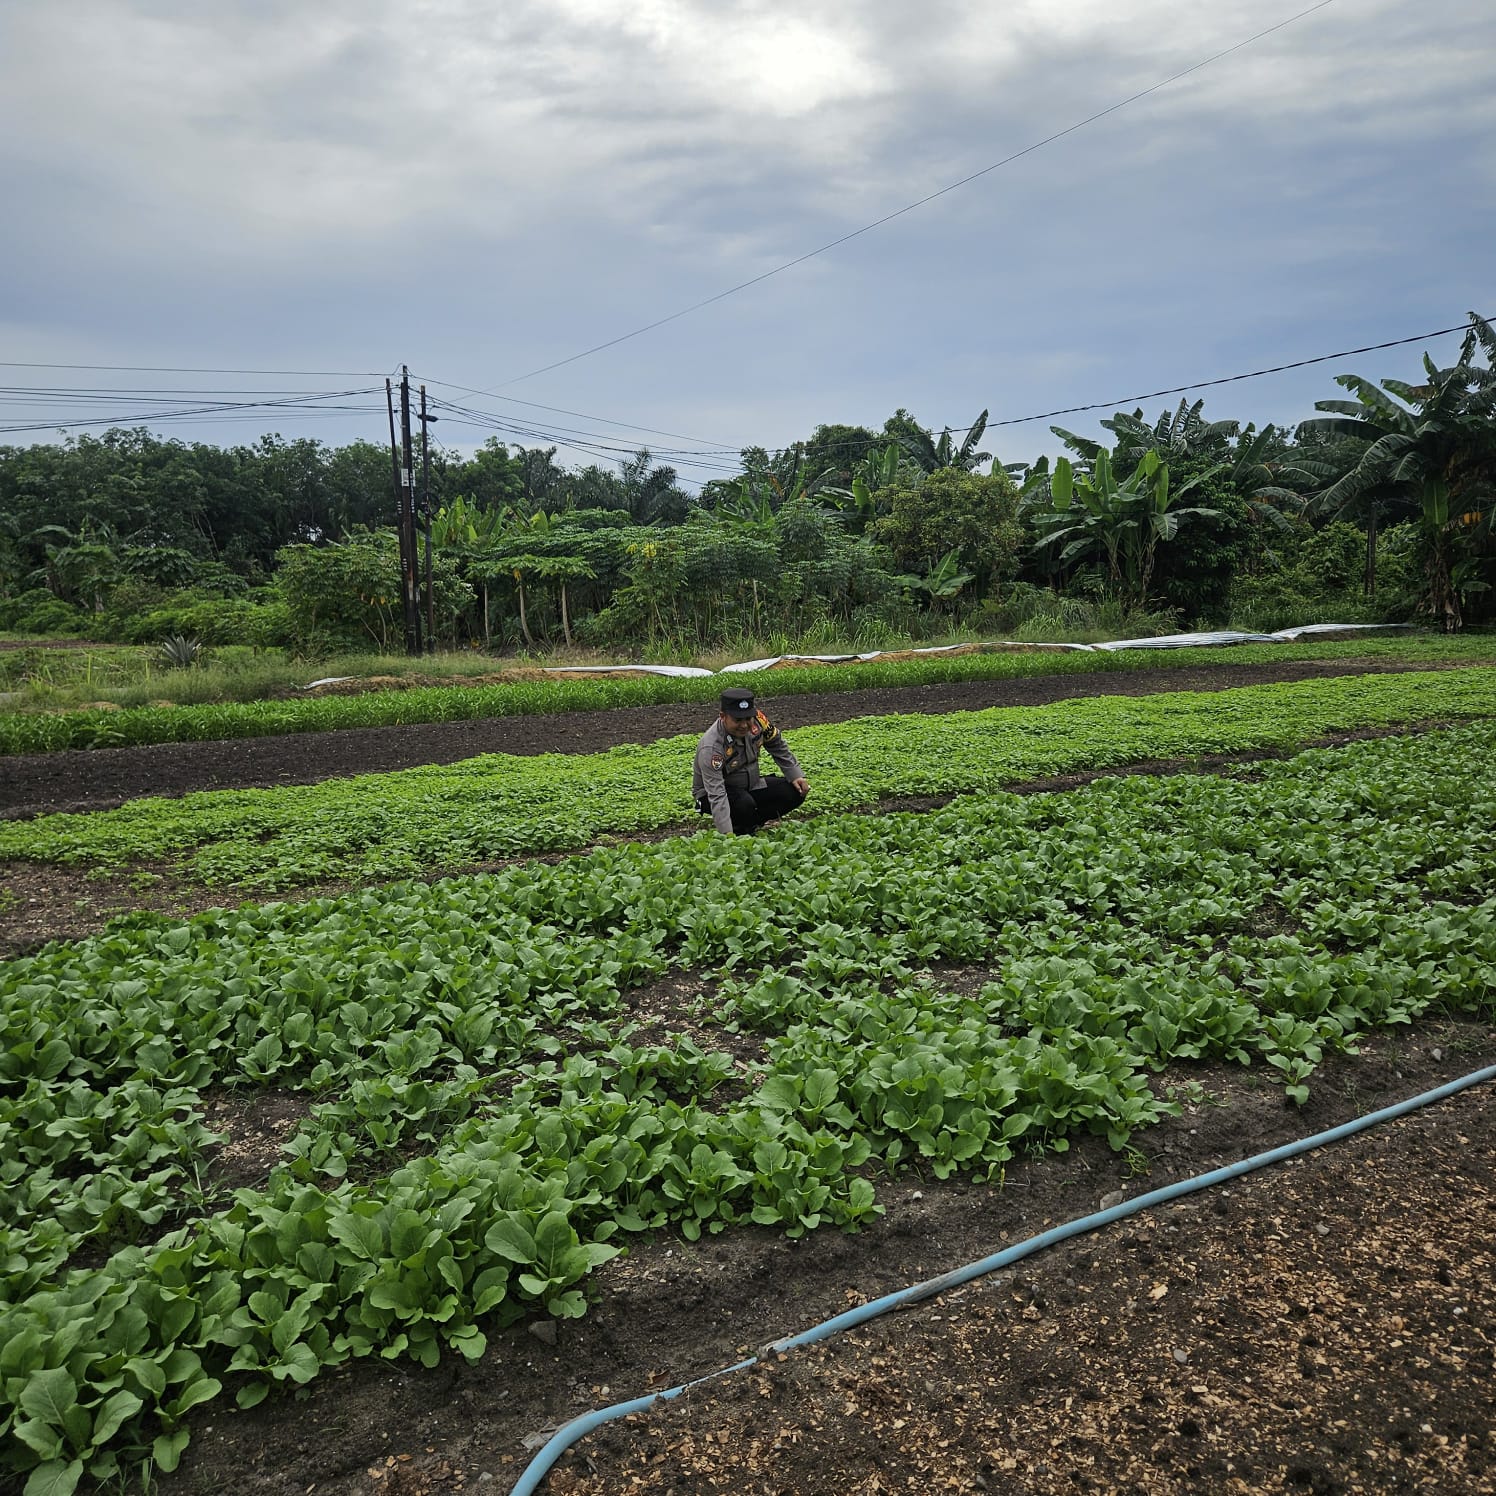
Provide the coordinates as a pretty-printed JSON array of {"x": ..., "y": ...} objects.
[{"x": 486, "y": 189}]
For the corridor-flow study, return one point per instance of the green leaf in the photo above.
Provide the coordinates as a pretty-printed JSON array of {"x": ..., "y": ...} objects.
[
  {"x": 40, "y": 1437},
  {"x": 361, "y": 1235},
  {"x": 55, "y": 1478},
  {"x": 490, "y": 1287},
  {"x": 51, "y": 1060},
  {"x": 510, "y": 1239},
  {"x": 20, "y": 1354},
  {"x": 471, "y": 1341},
  {"x": 251, "y": 1394},
  {"x": 299, "y": 1363},
  {"x": 821, "y": 1087},
  {"x": 408, "y": 1234},
  {"x": 111, "y": 1413},
  {"x": 554, "y": 1235},
  {"x": 167, "y": 1449},
  {"x": 48, "y": 1395},
  {"x": 196, "y": 1392},
  {"x": 147, "y": 1373}
]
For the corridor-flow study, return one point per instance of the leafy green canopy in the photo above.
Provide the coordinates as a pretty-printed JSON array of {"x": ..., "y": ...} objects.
[
  {"x": 497, "y": 806},
  {"x": 487, "y": 1126}
]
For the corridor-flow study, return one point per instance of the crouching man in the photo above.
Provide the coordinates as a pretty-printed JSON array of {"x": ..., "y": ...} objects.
[{"x": 727, "y": 784}]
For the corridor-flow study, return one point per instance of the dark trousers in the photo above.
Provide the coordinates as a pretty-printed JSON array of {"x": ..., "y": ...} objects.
[{"x": 751, "y": 808}]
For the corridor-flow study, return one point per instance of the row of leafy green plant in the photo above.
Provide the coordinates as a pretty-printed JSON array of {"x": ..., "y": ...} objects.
[
  {"x": 499, "y": 806},
  {"x": 49, "y": 732},
  {"x": 486, "y": 1125}
]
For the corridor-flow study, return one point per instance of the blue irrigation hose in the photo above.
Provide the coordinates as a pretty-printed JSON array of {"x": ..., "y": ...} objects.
[{"x": 578, "y": 1428}]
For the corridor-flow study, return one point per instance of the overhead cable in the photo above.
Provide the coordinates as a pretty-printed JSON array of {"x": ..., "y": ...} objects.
[
  {"x": 1205, "y": 384},
  {"x": 581, "y": 415},
  {"x": 187, "y": 369}
]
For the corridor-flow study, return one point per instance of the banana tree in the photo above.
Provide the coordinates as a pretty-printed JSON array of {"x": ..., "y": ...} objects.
[
  {"x": 945, "y": 579},
  {"x": 1122, "y": 521},
  {"x": 932, "y": 454},
  {"x": 874, "y": 473},
  {"x": 1156, "y": 517},
  {"x": 1430, "y": 447},
  {"x": 471, "y": 531},
  {"x": 79, "y": 567}
]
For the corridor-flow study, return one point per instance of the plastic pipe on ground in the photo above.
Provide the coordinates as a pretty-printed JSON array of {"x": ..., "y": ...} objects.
[{"x": 578, "y": 1428}]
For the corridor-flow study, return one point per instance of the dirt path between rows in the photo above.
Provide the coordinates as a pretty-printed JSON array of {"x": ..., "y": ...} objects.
[
  {"x": 102, "y": 778},
  {"x": 1326, "y": 1326}
]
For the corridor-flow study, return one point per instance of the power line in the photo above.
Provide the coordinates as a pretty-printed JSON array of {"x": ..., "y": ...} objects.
[
  {"x": 463, "y": 415},
  {"x": 920, "y": 202},
  {"x": 605, "y": 439},
  {"x": 581, "y": 415},
  {"x": 307, "y": 403},
  {"x": 185, "y": 369},
  {"x": 1205, "y": 384}
]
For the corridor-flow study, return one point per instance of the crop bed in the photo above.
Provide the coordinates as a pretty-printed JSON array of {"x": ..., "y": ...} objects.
[
  {"x": 42, "y": 783},
  {"x": 277, "y": 1147}
]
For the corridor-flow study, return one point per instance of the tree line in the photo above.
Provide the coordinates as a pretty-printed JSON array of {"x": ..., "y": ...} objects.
[{"x": 1379, "y": 506}]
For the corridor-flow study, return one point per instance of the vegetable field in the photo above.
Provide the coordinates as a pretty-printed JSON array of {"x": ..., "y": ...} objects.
[
  {"x": 489, "y": 1108},
  {"x": 498, "y": 806}
]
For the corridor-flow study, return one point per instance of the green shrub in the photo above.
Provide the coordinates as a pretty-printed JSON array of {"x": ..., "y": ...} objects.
[{"x": 38, "y": 612}]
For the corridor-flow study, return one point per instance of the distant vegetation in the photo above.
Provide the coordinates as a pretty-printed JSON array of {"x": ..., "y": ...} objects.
[{"x": 1379, "y": 508}]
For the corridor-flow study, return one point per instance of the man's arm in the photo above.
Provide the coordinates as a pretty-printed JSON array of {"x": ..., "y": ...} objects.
[
  {"x": 779, "y": 751},
  {"x": 709, "y": 772}
]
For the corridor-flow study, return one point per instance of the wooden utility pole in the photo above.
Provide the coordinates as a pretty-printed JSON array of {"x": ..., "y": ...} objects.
[{"x": 409, "y": 577}]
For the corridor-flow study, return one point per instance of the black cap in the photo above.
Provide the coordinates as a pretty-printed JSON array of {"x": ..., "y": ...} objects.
[{"x": 737, "y": 703}]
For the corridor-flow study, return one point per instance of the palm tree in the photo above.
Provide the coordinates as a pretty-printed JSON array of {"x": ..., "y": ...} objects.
[
  {"x": 1430, "y": 447},
  {"x": 646, "y": 486}
]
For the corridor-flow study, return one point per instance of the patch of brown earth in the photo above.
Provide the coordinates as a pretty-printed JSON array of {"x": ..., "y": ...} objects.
[{"x": 257, "y": 1125}]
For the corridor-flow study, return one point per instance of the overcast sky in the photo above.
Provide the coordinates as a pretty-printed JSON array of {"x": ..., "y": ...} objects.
[{"x": 479, "y": 189}]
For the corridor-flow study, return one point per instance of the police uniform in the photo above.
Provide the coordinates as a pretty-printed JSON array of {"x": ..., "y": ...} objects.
[{"x": 727, "y": 784}]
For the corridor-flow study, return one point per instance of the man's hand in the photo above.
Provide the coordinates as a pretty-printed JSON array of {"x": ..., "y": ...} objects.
[{"x": 803, "y": 785}]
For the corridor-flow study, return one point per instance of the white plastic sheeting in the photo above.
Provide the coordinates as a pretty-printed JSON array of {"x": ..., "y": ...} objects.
[
  {"x": 796, "y": 660},
  {"x": 1219, "y": 638},
  {"x": 1282, "y": 636},
  {"x": 1164, "y": 641},
  {"x": 630, "y": 669},
  {"x": 1188, "y": 641},
  {"x": 1289, "y": 635}
]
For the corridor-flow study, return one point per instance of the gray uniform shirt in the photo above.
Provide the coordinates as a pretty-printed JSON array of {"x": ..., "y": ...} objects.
[{"x": 725, "y": 760}]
